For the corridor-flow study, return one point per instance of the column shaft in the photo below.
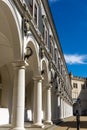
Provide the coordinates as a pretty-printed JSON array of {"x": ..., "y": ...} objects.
[
  {"x": 37, "y": 109},
  {"x": 48, "y": 106},
  {"x": 18, "y": 98}
]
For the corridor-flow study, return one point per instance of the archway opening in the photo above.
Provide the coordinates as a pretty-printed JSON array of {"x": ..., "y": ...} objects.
[
  {"x": 31, "y": 71},
  {"x": 9, "y": 51}
]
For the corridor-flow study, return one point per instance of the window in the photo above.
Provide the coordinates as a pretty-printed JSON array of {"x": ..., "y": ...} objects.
[
  {"x": 61, "y": 69},
  {"x": 51, "y": 47},
  {"x": 75, "y": 85},
  {"x": 31, "y": 6},
  {"x": 43, "y": 31},
  {"x": 49, "y": 43},
  {"x": 59, "y": 64},
  {"x": 59, "y": 81},
  {"x": 83, "y": 86},
  {"x": 55, "y": 59},
  {"x": 52, "y": 51},
  {"x": 35, "y": 13},
  {"x": 46, "y": 37}
]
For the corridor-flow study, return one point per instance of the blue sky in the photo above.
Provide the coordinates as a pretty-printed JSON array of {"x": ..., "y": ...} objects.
[{"x": 70, "y": 18}]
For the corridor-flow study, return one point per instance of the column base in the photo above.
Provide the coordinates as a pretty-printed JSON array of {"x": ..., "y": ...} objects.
[
  {"x": 48, "y": 122},
  {"x": 38, "y": 125},
  {"x": 18, "y": 128}
]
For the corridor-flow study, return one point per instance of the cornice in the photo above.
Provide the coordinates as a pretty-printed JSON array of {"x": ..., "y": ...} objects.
[
  {"x": 77, "y": 78},
  {"x": 52, "y": 25}
]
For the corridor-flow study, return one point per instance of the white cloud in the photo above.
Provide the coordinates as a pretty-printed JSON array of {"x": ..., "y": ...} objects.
[{"x": 75, "y": 59}]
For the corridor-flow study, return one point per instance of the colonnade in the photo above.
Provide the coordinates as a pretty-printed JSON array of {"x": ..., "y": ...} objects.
[
  {"x": 66, "y": 109},
  {"x": 14, "y": 45},
  {"x": 19, "y": 99},
  {"x": 61, "y": 108}
]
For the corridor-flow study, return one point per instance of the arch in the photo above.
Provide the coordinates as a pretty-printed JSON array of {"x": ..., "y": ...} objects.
[
  {"x": 10, "y": 35},
  {"x": 33, "y": 61},
  {"x": 10, "y": 50},
  {"x": 33, "y": 70}
]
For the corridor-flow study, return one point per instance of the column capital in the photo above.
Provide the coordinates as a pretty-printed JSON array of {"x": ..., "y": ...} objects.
[
  {"x": 38, "y": 77},
  {"x": 19, "y": 64},
  {"x": 48, "y": 86}
]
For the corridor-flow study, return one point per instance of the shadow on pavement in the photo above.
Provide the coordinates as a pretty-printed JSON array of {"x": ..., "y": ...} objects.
[
  {"x": 69, "y": 124},
  {"x": 83, "y": 124},
  {"x": 73, "y": 124}
]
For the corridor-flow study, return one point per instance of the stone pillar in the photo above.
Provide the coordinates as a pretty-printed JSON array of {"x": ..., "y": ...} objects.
[
  {"x": 61, "y": 108},
  {"x": 18, "y": 96},
  {"x": 64, "y": 109},
  {"x": 37, "y": 107},
  {"x": 48, "y": 105},
  {"x": 58, "y": 107}
]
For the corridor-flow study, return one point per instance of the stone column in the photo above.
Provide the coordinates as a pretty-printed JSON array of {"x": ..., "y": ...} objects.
[
  {"x": 18, "y": 96},
  {"x": 58, "y": 107},
  {"x": 64, "y": 109},
  {"x": 37, "y": 107},
  {"x": 48, "y": 105},
  {"x": 61, "y": 108}
]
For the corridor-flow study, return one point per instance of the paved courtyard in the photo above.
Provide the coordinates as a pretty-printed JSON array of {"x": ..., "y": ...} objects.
[
  {"x": 67, "y": 124},
  {"x": 70, "y": 124}
]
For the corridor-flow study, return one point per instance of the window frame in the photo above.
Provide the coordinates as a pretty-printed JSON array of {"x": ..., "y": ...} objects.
[
  {"x": 75, "y": 85},
  {"x": 35, "y": 3}
]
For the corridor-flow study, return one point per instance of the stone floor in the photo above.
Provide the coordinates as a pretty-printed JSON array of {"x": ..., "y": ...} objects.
[
  {"x": 67, "y": 124},
  {"x": 29, "y": 127},
  {"x": 70, "y": 124}
]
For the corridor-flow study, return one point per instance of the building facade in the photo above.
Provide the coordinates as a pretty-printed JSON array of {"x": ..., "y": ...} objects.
[
  {"x": 79, "y": 93},
  {"x": 34, "y": 81}
]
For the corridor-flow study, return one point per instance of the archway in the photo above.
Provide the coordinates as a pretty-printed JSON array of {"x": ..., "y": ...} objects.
[
  {"x": 31, "y": 71},
  {"x": 10, "y": 50}
]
